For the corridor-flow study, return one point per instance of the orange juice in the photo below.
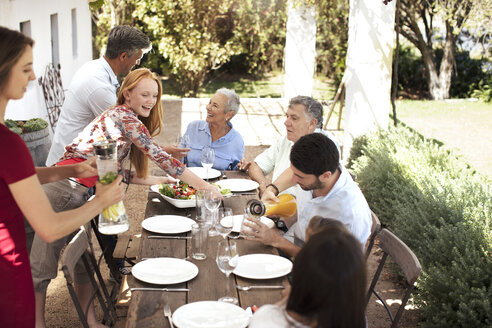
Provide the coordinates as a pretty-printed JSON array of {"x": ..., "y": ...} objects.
[{"x": 286, "y": 207}]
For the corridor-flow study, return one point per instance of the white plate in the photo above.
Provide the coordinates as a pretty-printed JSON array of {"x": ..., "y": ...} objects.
[
  {"x": 164, "y": 270},
  {"x": 210, "y": 314},
  {"x": 202, "y": 172},
  {"x": 262, "y": 266},
  {"x": 238, "y": 219},
  {"x": 168, "y": 224},
  {"x": 238, "y": 185},
  {"x": 180, "y": 203}
]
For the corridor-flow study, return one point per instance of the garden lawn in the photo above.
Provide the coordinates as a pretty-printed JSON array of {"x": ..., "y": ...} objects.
[{"x": 461, "y": 124}]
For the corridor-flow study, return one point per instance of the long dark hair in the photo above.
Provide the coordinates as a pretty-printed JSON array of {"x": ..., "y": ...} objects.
[
  {"x": 329, "y": 280},
  {"x": 13, "y": 44}
]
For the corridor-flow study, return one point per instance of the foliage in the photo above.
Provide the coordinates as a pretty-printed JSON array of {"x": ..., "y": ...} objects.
[
  {"x": 332, "y": 37},
  {"x": 192, "y": 40},
  {"x": 411, "y": 73},
  {"x": 260, "y": 29},
  {"x": 32, "y": 125},
  {"x": 441, "y": 209},
  {"x": 484, "y": 90},
  {"x": 195, "y": 36},
  {"x": 452, "y": 15},
  {"x": 468, "y": 79}
]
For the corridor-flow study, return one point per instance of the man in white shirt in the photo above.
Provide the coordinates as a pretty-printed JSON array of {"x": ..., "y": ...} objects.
[
  {"x": 94, "y": 85},
  {"x": 324, "y": 188},
  {"x": 304, "y": 116}
]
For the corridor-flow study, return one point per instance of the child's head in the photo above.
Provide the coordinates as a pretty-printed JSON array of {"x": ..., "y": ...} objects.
[{"x": 319, "y": 223}]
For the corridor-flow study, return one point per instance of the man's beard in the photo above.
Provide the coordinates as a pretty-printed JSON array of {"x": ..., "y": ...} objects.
[{"x": 316, "y": 185}]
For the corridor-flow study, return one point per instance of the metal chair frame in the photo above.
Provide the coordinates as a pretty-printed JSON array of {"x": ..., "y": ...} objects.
[
  {"x": 406, "y": 260},
  {"x": 79, "y": 248}
]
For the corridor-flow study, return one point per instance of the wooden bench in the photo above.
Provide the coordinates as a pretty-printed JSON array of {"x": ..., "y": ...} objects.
[{"x": 127, "y": 248}]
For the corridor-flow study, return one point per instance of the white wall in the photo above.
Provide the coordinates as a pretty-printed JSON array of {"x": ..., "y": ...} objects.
[{"x": 13, "y": 12}]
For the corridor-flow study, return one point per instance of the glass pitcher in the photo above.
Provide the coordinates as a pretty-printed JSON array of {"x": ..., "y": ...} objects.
[
  {"x": 286, "y": 207},
  {"x": 113, "y": 219}
]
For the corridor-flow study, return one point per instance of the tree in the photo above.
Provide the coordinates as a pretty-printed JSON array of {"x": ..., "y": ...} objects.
[
  {"x": 195, "y": 36},
  {"x": 417, "y": 18}
]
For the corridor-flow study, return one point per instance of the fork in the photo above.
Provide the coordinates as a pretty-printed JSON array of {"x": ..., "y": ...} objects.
[
  {"x": 245, "y": 288},
  {"x": 167, "y": 313}
]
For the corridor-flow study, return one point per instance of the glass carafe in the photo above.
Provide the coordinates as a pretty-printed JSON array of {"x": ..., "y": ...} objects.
[
  {"x": 113, "y": 219},
  {"x": 286, "y": 207}
]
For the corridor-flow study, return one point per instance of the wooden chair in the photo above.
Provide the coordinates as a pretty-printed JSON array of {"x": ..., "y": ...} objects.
[
  {"x": 403, "y": 256},
  {"x": 76, "y": 249},
  {"x": 376, "y": 227}
]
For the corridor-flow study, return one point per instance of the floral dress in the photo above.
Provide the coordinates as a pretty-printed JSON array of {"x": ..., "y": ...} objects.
[{"x": 120, "y": 123}]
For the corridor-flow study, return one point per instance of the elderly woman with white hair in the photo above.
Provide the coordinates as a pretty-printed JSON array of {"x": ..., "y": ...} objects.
[{"x": 217, "y": 132}]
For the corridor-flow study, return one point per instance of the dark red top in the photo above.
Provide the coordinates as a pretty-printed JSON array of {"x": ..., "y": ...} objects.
[{"x": 16, "y": 288}]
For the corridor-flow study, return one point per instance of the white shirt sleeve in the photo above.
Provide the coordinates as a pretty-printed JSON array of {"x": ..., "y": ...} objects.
[{"x": 267, "y": 159}]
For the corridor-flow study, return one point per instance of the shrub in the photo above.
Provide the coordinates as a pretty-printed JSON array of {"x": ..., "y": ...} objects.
[
  {"x": 440, "y": 207},
  {"x": 32, "y": 125}
]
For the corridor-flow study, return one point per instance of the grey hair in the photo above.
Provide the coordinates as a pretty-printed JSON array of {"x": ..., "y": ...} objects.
[
  {"x": 314, "y": 109},
  {"x": 232, "y": 100},
  {"x": 124, "y": 38}
]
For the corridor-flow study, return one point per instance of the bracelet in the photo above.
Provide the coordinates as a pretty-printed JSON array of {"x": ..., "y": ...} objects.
[{"x": 274, "y": 187}]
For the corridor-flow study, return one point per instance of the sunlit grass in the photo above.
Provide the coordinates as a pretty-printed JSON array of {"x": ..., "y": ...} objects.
[{"x": 269, "y": 86}]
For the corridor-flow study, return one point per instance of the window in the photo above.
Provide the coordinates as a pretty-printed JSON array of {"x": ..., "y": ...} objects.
[
  {"x": 25, "y": 28},
  {"x": 55, "y": 53},
  {"x": 74, "y": 33}
]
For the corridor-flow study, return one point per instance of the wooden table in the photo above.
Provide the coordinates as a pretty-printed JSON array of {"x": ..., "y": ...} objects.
[{"x": 146, "y": 307}]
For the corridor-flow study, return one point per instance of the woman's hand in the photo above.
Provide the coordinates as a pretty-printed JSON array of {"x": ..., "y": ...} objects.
[
  {"x": 85, "y": 169},
  {"x": 176, "y": 152},
  {"x": 111, "y": 193},
  {"x": 167, "y": 180}
]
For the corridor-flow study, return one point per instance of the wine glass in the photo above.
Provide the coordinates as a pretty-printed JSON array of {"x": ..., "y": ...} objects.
[
  {"x": 212, "y": 202},
  {"x": 207, "y": 159},
  {"x": 227, "y": 258},
  {"x": 185, "y": 141},
  {"x": 225, "y": 222}
]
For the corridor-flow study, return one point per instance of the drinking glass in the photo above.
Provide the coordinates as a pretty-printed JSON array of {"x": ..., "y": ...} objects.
[
  {"x": 227, "y": 258},
  {"x": 207, "y": 158},
  {"x": 183, "y": 142},
  {"x": 212, "y": 202},
  {"x": 225, "y": 221}
]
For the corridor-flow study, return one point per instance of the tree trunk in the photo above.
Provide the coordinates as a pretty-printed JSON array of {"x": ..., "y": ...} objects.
[{"x": 439, "y": 82}]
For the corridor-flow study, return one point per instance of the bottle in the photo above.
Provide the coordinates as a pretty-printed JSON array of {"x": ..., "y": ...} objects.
[
  {"x": 113, "y": 219},
  {"x": 286, "y": 207}
]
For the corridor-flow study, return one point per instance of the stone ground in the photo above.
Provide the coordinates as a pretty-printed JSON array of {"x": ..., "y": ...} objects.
[{"x": 259, "y": 123}]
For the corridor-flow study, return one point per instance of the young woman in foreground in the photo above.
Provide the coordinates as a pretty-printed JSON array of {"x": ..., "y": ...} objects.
[{"x": 21, "y": 193}]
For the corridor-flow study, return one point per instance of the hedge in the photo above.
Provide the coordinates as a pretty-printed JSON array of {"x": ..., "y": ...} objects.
[{"x": 441, "y": 208}]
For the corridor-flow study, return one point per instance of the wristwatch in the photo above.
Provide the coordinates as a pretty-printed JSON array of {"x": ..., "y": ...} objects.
[{"x": 281, "y": 225}]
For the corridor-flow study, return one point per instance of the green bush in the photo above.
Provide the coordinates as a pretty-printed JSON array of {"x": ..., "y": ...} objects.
[
  {"x": 32, "y": 125},
  {"x": 440, "y": 207}
]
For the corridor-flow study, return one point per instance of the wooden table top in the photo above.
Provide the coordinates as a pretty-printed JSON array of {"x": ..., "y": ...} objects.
[{"x": 146, "y": 307}]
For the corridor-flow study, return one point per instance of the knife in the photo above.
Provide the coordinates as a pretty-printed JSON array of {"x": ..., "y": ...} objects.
[
  {"x": 167, "y": 237},
  {"x": 159, "y": 289}
]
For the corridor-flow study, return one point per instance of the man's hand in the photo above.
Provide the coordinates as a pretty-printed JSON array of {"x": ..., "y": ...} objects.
[
  {"x": 176, "y": 152},
  {"x": 85, "y": 169},
  {"x": 243, "y": 165},
  {"x": 261, "y": 232},
  {"x": 268, "y": 196}
]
